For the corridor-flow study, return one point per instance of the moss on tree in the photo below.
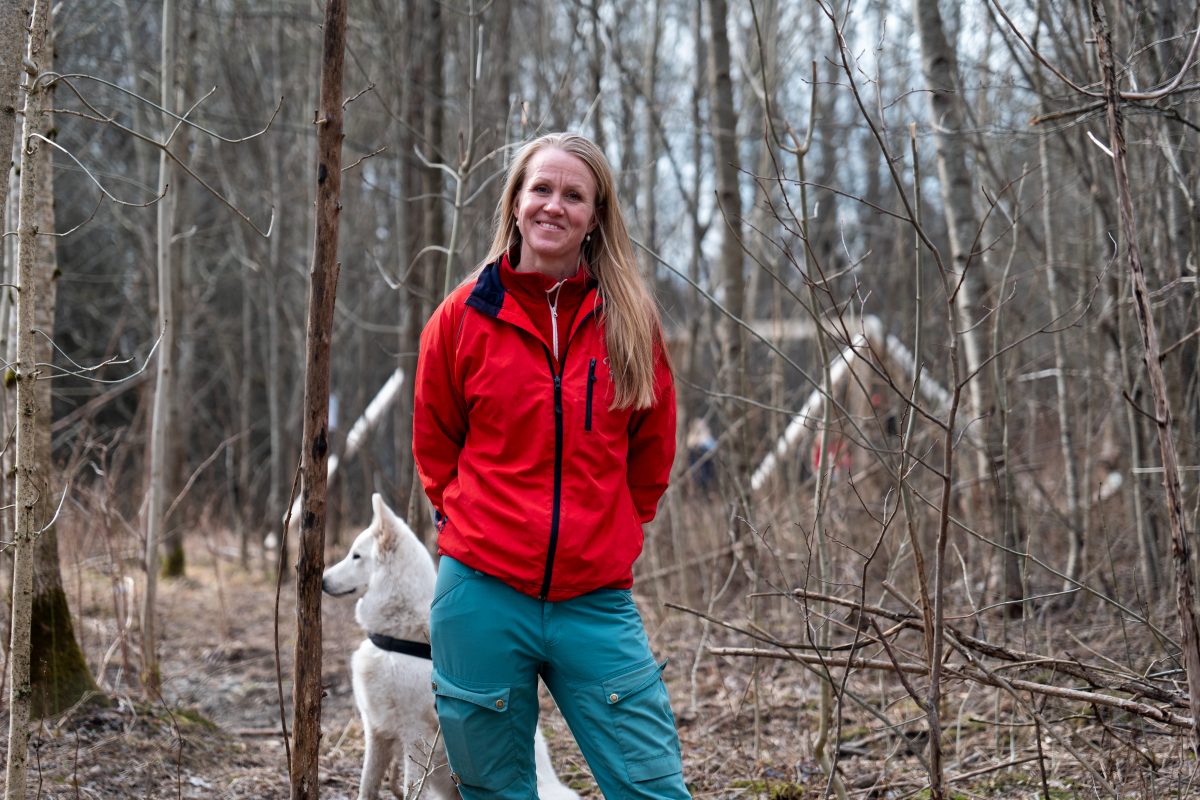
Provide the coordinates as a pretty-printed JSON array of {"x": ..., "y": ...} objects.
[{"x": 60, "y": 676}]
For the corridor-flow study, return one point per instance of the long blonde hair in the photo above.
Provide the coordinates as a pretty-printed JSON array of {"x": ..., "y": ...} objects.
[{"x": 632, "y": 326}]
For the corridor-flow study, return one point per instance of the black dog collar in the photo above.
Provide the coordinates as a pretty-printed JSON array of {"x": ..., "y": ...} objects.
[{"x": 405, "y": 646}]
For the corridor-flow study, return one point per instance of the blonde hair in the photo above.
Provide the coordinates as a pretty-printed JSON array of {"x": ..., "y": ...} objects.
[{"x": 632, "y": 326}]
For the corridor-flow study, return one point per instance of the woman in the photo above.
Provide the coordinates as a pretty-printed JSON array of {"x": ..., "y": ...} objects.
[{"x": 543, "y": 432}]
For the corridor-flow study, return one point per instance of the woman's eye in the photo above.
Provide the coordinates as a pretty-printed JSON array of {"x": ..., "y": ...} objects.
[{"x": 541, "y": 189}]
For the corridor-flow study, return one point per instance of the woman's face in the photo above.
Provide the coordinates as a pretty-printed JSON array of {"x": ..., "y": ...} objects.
[{"x": 556, "y": 208}]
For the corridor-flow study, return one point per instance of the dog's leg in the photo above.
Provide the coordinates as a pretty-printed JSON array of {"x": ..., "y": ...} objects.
[
  {"x": 400, "y": 777},
  {"x": 548, "y": 784},
  {"x": 375, "y": 764}
]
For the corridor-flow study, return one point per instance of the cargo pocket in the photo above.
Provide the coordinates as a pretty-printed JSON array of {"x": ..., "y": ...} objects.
[
  {"x": 641, "y": 713},
  {"x": 477, "y": 730}
]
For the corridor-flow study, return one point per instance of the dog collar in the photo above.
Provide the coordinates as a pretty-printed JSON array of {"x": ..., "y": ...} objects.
[{"x": 405, "y": 646}]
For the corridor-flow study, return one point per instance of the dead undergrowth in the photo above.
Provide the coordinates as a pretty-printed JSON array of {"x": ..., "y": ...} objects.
[{"x": 748, "y": 724}]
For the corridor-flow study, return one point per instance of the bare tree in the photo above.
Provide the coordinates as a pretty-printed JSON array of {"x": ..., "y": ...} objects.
[
  {"x": 1183, "y": 540},
  {"x": 939, "y": 61},
  {"x": 160, "y": 426},
  {"x": 48, "y": 670},
  {"x": 723, "y": 123},
  {"x": 323, "y": 275}
]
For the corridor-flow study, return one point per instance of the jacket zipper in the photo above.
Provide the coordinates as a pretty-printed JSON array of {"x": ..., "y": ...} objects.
[
  {"x": 557, "y": 289},
  {"x": 558, "y": 458},
  {"x": 555, "y": 511},
  {"x": 587, "y": 420}
]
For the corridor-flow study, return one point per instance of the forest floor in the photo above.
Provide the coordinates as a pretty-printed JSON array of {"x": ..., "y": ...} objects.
[{"x": 214, "y": 733}]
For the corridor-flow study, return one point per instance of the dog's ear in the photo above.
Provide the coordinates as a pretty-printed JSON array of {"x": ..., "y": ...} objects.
[{"x": 384, "y": 524}]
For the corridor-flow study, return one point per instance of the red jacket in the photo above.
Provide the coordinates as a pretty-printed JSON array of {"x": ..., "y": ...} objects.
[{"x": 535, "y": 479}]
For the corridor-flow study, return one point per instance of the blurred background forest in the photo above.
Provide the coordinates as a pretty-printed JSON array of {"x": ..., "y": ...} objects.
[{"x": 896, "y": 269}]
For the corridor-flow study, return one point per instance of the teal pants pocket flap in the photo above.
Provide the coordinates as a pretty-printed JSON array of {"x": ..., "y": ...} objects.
[
  {"x": 478, "y": 731},
  {"x": 618, "y": 688},
  {"x": 494, "y": 699}
]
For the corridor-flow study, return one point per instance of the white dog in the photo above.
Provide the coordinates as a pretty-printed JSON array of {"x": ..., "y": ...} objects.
[{"x": 391, "y": 670}]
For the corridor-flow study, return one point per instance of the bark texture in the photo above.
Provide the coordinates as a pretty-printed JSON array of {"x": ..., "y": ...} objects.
[
  {"x": 59, "y": 675},
  {"x": 27, "y": 488},
  {"x": 323, "y": 276}
]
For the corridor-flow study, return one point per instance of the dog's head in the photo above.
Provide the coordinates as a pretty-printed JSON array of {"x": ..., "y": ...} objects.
[{"x": 377, "y": 543}]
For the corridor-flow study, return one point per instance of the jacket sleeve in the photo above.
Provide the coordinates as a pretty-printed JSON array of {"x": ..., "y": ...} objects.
[
  {"x": 652, "y": 444},
  {"x": 439, "y": 411}
]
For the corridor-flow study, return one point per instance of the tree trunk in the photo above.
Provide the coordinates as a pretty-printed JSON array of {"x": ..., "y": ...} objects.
[
  {"x": 160, "y": 426},
  {"x": 1183, "y": 548},
  {"x": 60, "y": 675},
  {"x": 13, "y": 16},
  {"x": 274, "y": 286},
  {"x": 26, "y": 491},
  {"x": 431, "y": 65},
  {"x": 183, "y": 361},
  {"x": 405, "y": 222},
  {"x": 596, "y": 72},
  {"x": 650, "y": 199},
  {"x": 323, "y": 275},
  {"x": 1062, "y": 393},
  {"x": 723, "y": 123},
  {"x": 48, "y": 670},
  {"x": 939, "y": 67}
]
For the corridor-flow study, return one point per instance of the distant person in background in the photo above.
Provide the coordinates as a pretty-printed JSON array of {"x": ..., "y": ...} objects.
[
  {"x": 544, "y": 432},
  {"x": 700, "y": 447}
]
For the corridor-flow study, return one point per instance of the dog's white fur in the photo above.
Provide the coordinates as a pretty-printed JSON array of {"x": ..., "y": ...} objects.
[{"x": 395, "y": 574}]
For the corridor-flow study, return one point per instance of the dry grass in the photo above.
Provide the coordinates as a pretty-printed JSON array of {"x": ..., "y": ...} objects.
[{"x": 748, "y": 726}]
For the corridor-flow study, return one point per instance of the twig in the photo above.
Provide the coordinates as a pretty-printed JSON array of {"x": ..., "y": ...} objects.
[
  {"x": 279, "y": 567},
  {"x": 364, "y": 158},
  {"x": 974, "y": 673}
]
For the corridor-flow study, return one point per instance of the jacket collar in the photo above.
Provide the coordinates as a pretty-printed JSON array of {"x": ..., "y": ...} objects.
[
  {"x": 488, "y": 294},
  {"x": 488, "y": 297}
]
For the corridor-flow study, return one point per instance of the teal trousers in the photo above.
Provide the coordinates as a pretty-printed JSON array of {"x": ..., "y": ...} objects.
[{"x": 491, "y": 644}]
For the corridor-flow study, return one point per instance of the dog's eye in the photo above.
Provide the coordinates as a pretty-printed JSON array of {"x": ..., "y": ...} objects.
[{"x": 357, "y": 556}]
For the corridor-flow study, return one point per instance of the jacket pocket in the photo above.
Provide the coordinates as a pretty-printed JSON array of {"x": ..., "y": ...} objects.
[
  {"x": 641, "y": 713},
  {"x": 478, "y": 733},
  {"x": 587, "y": 419}
]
